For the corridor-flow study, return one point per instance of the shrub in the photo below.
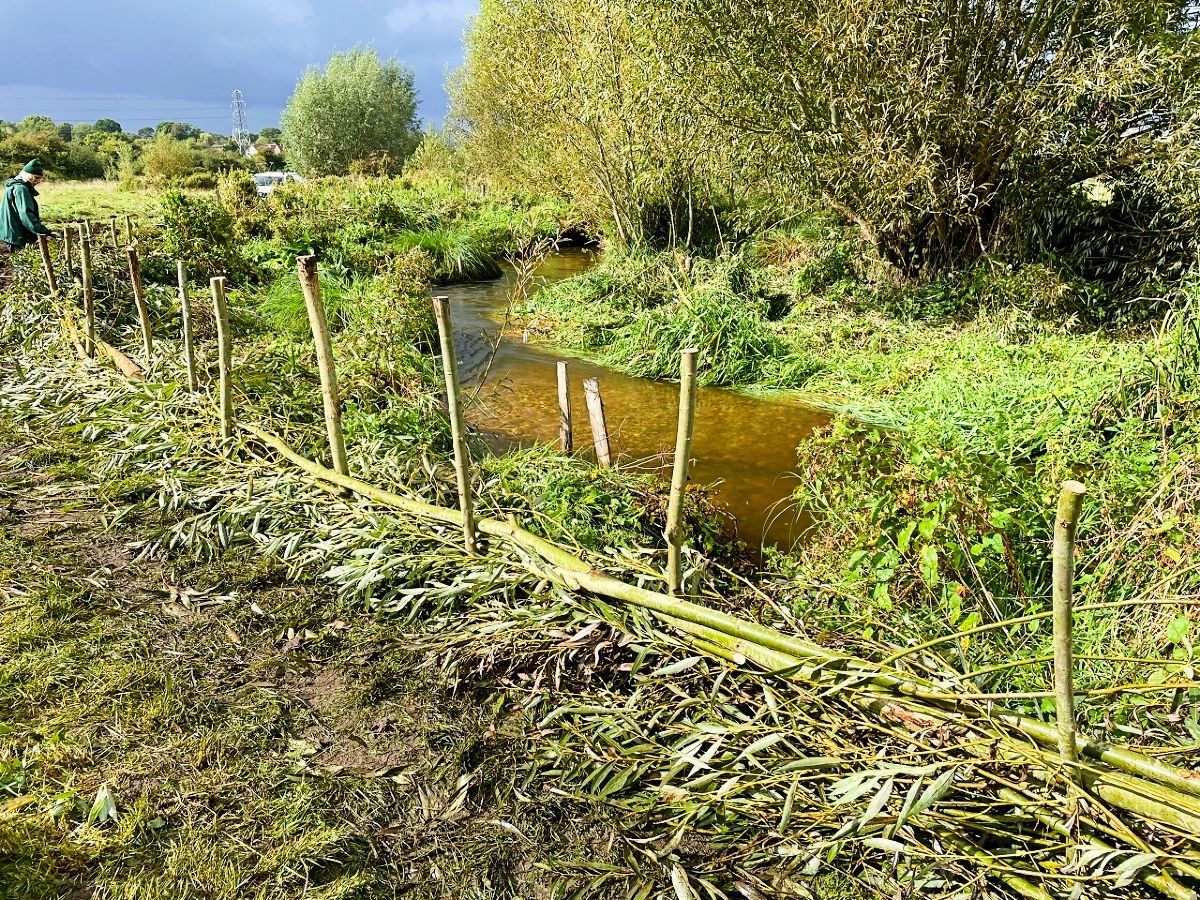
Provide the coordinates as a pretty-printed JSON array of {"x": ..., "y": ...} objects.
[
  {"x": 200, "y": 232},
  {"x": 168, "y": 161},
  {"x": 199, "y": 181}
]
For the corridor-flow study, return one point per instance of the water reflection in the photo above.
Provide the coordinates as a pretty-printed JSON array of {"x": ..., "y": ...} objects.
[{"x": 746, "y": 445}]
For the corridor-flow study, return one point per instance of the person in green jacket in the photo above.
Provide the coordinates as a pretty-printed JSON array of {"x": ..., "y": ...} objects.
[{"x": 20, "y": 220}]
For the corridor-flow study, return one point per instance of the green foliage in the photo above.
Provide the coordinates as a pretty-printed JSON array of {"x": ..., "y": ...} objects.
[
  {"x": 168, "y": 161},
  {"x": 458, "y": 254},
  {"x": 200, "y": 232},
  {"x": 356, "y": 109},
  {"x": 575, "y": 100},
  {"x": 202, "y": 181}
]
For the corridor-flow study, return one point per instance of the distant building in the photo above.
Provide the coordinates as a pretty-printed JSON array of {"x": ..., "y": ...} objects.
[{"x": 265, "y": 148}]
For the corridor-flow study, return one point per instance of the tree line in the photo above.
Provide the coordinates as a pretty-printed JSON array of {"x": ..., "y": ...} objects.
[
  {"x": 171, "y": 153},
  {"x": 942, "y": 130}
]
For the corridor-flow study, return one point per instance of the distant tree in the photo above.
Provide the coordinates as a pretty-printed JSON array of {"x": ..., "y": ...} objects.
[
  {"x": 168, "y": 161},
  {"x": 180, "y": 131},
  {"x": 37, "y": 123},
  {"x": 147, "y": 133},
  {"x": 358, "y": 108},
  {"x": 274, "y": 135},
  {"x": 109, "y": 126},
  {"x": 66, "y": 131}
]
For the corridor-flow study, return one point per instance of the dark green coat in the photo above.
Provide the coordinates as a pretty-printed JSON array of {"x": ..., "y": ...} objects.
[{"x": 20, "y": 221}]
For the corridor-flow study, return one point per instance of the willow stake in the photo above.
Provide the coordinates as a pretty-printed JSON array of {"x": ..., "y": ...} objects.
[
  {"x": 564, "y": 410},
  {"x": 89, "y": 299},
  {"x": 1065, "y": 522},
  {"x": 185, "y": 308},
  {"x": 462, "y": 456},
  {"x": 224, "y": 354},
  {"x": 139, "y": 297},
  {"x": 44, "y": 245},
  {"x": 595, "y": 405},
  {"x": 128, "y": 229},
  {"x": 306, "y": 267},
  {"x": 67, "y": 253},
  {"x": 683, "y": 462},
  {"x": 112, "y": 229}
]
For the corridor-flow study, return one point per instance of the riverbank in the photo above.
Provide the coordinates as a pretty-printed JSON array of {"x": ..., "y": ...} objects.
[{"x": 999, "y": 396}]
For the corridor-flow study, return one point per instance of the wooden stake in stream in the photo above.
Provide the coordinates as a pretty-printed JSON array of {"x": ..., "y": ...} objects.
[
  {"x": 1065, "y": 523},
  {"x": 44, "y": 245},
  {"x": 89, "y": 299},
  {"x": 683, "y": 464},
  {"x": 112, "y": 228},
  {"x": 306, "y": 267},
  {"x": 185, "y": 308},
  {"x": 595, "y": 405},
  {"x": 462, "y": 456},
  {"x": 139, "y": 297},
  {"x": 224, "y": 356},
  {"x": 565, "y": 437}
]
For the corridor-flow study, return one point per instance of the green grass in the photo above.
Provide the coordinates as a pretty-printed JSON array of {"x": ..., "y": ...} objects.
[{"x": 71, "y": 200}]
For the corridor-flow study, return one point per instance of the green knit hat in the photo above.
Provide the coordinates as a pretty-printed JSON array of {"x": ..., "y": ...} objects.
[{"x": 34, "y": 167}]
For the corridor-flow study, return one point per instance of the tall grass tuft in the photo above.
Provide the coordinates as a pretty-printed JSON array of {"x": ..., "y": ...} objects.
[{"x": 457, "y": 254}]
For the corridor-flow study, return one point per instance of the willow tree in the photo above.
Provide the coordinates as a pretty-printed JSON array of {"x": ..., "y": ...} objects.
[
  {"x": 573, "y": 97},
  {"x": 936, "y": 125},
  {"x": 358, "y": 108}
]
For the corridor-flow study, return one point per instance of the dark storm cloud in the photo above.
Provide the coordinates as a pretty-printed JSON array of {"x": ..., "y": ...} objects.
[{"x": 141, "y": 62}]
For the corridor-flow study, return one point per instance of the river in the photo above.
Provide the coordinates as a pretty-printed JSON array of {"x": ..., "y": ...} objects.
[{"x": 744, "y": 445}]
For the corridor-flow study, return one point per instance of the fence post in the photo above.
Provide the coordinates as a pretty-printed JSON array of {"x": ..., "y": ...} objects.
[
  {"x": 306, "y": 267},
  {"x": 462, "y": 456},
  {"x": 44, "y": 246},
  {"x": 87, "y": 224},
  {"x": 595, "y": 405},
  {"x": 89, "y": 299},
  {"x": 128, "y": 229},
  {"x": 683, "y": 464},
  {"x": 70, "y": 263},
  {"x": 566, "y": 439},
  {"x": 112, "y": 227},
  {"x": 139, "y": 298},
  {"x": 224, "y": 356},
  {"x": 185, "y": 309},
  {"x": 1065, "y": 522}
]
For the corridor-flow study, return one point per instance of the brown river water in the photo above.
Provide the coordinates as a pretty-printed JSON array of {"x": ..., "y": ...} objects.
[{"x": 745, "y": 446}]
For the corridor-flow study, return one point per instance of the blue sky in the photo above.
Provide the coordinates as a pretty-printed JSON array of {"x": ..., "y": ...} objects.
[{"x": 145, "y": 61}]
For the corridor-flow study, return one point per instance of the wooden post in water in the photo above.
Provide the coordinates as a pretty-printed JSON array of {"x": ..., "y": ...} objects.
[
  {"x": 185, "y": 309},
  {"x": 595, "y": 405},
  {"x": 683, "y": 464},
  {"x": 1065, "y": 523},
  {"x": 128, "y": 229},
  {"x": 139, "y": 298},
  {"x": 566, "y": 439},
  {"x": 70, "y": 263},
  {"x": 462, "y": 456},
  {"x": 306, "y": 267},
  {"x": 89, "y": 299},
  {"x": 44, "y": 246},
  {"x": 112, "y": 228},
  {"x": 224, "y": 356}
]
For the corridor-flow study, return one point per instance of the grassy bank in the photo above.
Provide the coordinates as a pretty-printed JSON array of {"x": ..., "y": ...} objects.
[{"x": 992, "y": 388}]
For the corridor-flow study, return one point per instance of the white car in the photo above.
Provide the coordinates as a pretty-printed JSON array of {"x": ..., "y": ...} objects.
[{"x": 265, "y": 182}]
